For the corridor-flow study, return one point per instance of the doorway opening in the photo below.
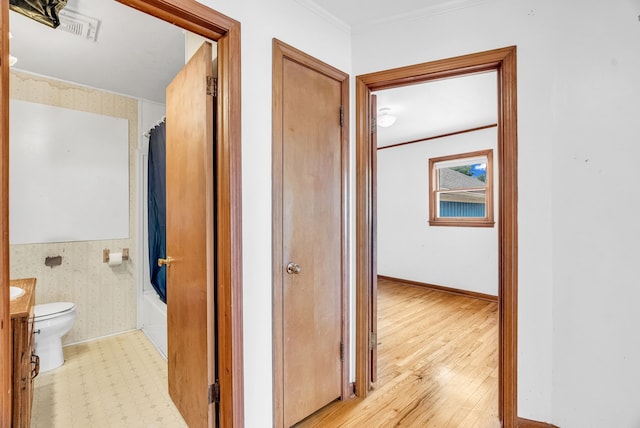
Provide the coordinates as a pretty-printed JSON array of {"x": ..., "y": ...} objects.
[
  {"x": 503, "y": 61},
  {"x": 201, "y": 20},
  {"x": 437, "y": 251}
]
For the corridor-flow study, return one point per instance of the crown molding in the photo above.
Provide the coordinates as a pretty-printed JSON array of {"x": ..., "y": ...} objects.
[
  {"x": 325, "y": 14},
  {"x": 437, "y": 9}
]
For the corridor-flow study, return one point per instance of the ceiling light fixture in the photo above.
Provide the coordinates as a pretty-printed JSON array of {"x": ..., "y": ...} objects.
[{"x": 385, "y": 118}]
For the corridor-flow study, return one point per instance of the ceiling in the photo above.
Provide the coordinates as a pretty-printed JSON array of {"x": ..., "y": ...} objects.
[
  {"x": 134, "y": 54},
  {"x": 439, "y": 107},
  {"x": 358, "y": 14},
  {"x": 138, "y": 55}
]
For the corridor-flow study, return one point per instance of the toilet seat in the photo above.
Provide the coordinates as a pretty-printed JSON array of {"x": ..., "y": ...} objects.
[{"x": 51, "y": 310}]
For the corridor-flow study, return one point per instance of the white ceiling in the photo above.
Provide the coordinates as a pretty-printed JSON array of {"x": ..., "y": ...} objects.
[
  {"x": 358, "y": 14},
  {"x": 439, "y": 107},
  {"x": 135, "y": 54}
]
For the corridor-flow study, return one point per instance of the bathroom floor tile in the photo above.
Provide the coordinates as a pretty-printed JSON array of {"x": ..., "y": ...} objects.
[{"x": 119, "y": 381}]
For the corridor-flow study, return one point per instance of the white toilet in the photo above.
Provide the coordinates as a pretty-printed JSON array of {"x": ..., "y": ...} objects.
[{"x": 52, "y": 321}]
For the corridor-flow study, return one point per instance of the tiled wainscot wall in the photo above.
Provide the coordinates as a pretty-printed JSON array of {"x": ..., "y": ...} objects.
[{"x": 105, "y": 296}]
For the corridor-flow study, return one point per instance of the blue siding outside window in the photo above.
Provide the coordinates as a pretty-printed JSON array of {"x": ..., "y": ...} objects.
[{"x": 461, "y": 209}]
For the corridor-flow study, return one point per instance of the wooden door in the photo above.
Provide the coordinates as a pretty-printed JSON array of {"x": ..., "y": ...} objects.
[
  {"x": 190, "y": 241},
  {"x": 373, "y": 328},
  {"x": 312, "y": 250}
]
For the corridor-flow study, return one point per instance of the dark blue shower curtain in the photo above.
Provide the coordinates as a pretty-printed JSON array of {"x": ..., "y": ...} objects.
[{"x": 157, "y": 214}]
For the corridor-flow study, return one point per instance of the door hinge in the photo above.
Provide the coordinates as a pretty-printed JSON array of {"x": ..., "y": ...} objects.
[
  {"x": 212, "y": 86},
  {"x": 214, "y": 393},
  {"x": 341, "y": 116},
  {"x": 341, "y": 351},
  {"x": 374, "y": 124},
  {"x": 373, "y": 340}
]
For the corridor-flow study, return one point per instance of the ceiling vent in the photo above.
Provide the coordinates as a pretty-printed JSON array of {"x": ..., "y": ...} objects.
[{"x": 78, "y": 24}]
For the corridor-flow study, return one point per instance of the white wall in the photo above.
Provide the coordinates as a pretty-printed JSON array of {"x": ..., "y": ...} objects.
[
  {"x": 578, "y": 92},
  {"x": 408, "y": 247},
  {"x": 261, "y": 21},
  {"x": 595, "y": 129}
]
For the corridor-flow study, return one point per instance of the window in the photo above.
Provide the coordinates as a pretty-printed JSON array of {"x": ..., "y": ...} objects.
[{"x": 461, "y": 190}]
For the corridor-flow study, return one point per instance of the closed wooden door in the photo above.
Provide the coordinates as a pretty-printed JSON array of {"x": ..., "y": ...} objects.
[
  {"x": 190, "y": 241},
  {"x": 312, "y": 228}
]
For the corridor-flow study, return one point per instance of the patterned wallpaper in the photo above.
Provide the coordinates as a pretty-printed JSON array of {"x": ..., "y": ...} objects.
[{"x": 105, "y": 296}]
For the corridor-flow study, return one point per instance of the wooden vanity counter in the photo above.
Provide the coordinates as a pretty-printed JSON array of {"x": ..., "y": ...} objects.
[
  {"x": 26, "y": 365},
  {"x": 23, "y": 305}
]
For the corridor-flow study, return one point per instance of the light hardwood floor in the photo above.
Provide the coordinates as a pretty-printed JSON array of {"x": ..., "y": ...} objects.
[{"x": 438, "y": 364}]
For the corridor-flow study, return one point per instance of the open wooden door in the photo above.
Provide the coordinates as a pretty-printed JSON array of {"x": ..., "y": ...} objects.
[
  {"x": 191, "y": 321},
  {"x": 373, "y": 335}
]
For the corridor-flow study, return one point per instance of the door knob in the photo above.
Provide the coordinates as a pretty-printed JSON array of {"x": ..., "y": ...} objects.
[
  {"x": 166, "y": 261},
  {"x": 293, "y": 268}
]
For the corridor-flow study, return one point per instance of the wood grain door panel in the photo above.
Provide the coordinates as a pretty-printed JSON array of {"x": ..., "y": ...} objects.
[
  {"x": 310, "y": 199},
  {"x": 190, "y": 232},
  {"x": 373, "y": 328},
  {"x": 312, "y": 239}
]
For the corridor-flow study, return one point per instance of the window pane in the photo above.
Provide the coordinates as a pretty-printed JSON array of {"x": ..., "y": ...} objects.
[
  {"x": 462, "y": 204},
  {"x": 468, "y": 176},
  {"x": 461, "y": 190}
]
